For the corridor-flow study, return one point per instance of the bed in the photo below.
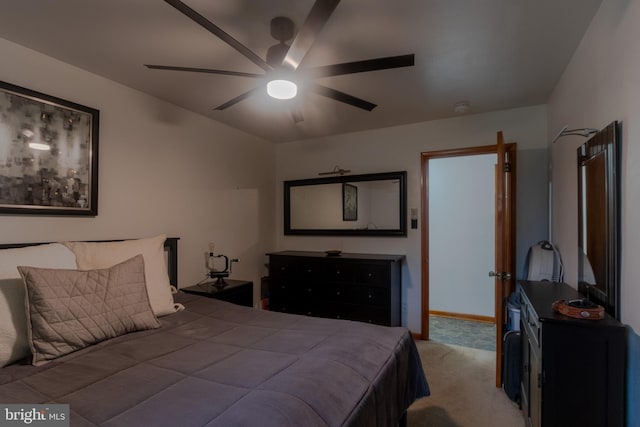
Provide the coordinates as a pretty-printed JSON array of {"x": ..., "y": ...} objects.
[{"x": 218, "y": 364}]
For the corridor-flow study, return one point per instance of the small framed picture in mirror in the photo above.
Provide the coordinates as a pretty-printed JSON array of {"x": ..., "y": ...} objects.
[{"x": 349, "y": 202}]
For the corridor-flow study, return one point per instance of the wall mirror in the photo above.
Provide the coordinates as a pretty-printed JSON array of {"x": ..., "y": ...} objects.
[
  {"x": 350, "y": 205},
  {"x": 598, "y": 219}
]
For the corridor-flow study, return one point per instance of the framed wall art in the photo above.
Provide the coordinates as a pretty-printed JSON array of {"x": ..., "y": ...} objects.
[
  {"x": 48, "y": 154},
  {"x": 349, "y": 202}
]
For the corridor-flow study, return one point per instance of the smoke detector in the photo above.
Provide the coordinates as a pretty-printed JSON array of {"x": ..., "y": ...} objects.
[{"x": 461, "y": 107}]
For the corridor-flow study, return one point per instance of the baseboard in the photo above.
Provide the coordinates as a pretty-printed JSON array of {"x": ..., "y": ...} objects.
[{"x": 474, "y": 317}]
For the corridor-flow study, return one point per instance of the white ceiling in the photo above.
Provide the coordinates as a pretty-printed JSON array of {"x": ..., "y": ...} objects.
[{"x": 496, "y": 54}]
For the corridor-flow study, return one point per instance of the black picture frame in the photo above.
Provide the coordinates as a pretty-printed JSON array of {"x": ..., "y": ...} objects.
[
  {"x": 349, "y": 202},
  {"x": 48, "y": 154},
  {"x": 307, "y": 230}
]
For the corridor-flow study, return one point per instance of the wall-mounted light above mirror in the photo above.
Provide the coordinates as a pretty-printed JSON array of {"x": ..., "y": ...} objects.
[{"x": 350, "y": 205}]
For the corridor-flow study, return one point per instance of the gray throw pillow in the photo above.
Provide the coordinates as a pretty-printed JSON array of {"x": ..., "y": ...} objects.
[{"x": 68, "y": 310}]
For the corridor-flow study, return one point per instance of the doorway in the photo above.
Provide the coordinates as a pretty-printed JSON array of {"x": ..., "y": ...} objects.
[
  {"x": 462, "y": 236},
  {"x": 462, "y": 249},
  {"x": 500, "y": 258}
]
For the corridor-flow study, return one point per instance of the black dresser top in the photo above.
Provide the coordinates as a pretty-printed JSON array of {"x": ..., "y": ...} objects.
[
  {"x": 543, "y": 294},
  {"x": 348, "y": 256}
]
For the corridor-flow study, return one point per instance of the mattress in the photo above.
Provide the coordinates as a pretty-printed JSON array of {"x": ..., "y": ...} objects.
[{"x": 219, "y": 364}]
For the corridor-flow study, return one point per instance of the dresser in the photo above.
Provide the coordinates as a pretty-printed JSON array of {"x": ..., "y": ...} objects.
[
  {"x": 363, "y": 287},
  {"x": 573, "y": 371}
]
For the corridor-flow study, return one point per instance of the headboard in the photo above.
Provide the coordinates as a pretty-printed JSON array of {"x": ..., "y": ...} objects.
[{"x": 170, "y": 248}]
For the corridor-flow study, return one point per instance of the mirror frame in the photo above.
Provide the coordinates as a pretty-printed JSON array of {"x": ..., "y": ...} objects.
[
  {"x": 401, "y": 231},
  {"x": 607, "y": 143}
]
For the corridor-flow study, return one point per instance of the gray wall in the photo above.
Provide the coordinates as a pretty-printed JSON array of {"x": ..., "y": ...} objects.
[
  {"x": 532, "y": 202},
  {"x": 398, "y": 148},
  {"x": 163, "y": 170}
]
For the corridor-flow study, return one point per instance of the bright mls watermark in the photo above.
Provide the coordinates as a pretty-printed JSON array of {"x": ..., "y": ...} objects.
[{"x": 52, "y": 415}]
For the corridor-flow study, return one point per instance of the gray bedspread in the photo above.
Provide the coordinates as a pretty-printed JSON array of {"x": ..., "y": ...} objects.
[{"x": 218, "y": 364}]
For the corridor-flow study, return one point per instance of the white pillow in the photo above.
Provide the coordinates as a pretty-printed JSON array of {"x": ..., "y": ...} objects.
[
  {"x": 91, "y": 256},
  {"x": 13, "y": 318}
]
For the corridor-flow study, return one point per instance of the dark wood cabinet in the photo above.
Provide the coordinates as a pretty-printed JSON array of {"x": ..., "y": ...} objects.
[
  {"x": 573, "y": 369},
  {"x": 364, "y": 287},
  {"x": 235, "y": 291}
]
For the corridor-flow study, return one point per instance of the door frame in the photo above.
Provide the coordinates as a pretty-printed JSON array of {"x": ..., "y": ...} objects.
[{"x": 424, "y": 259}]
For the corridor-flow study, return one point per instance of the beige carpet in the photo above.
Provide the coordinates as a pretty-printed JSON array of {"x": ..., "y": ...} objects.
[{"x": 463, "y": 391}]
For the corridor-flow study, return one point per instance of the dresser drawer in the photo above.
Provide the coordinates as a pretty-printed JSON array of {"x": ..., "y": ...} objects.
[
  {"x": 310, "y": 270},
  {"x": 287, "y": 304},
  {"x": 330, "y": 311},
  {"x": 281, "y": 268},
  {"x": 304, "y": 270},
  {"x": 285, "y": 287},
  {"x": 373, "y": 274},
  {"x": 334, "y": 292},
  {"x": 530, "y": 321},
  {"x": 369, "y": 295},
  {"x": 375, "y": 315},
  {"x": 339, "y": 272},
  {"x": 350, "y": 294},
  {"x": 345, "y": 311}
]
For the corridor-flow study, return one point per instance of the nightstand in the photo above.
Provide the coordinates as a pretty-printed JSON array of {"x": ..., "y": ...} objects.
[{"x": 237, "y": 291}]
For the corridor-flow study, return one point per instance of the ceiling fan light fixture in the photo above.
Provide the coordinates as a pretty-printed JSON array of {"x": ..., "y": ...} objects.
[
  {"x": 282, "y": 59},
  {"x": 282, "y": 89}
]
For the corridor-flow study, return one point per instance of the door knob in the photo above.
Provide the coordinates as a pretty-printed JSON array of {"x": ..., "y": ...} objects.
[{"x": 501, "y": 275}]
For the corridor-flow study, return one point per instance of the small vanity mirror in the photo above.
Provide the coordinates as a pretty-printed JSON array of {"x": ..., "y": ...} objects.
[
  {"x": 354, "y": 205},
  {"x": 598, "y": 219}
]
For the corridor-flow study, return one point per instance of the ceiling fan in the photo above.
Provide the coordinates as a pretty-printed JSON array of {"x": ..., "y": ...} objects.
[{"x": 281, "y": 67}]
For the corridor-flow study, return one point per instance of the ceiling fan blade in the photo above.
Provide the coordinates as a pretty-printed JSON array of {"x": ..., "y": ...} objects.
[
  {"x": 342, "y": 97},
  {"x": 203, "y": 70},
  {"x": 362, "y": 66},
  {"x": 319, "y": 15},
  {"x": 238, "y": 98},
  {"x": 218, "y": 32}
]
